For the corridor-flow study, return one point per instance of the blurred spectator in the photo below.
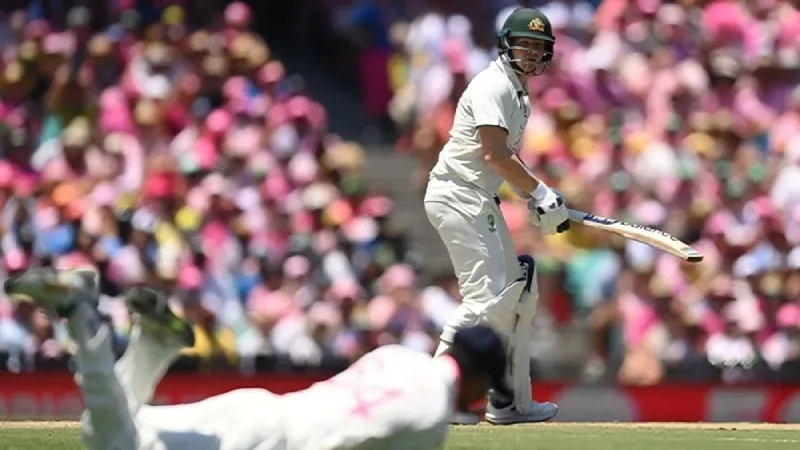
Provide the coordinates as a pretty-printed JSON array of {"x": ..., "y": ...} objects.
[
  {"x": 179, "y": 156},
  {"x": 166, "y": 146}
]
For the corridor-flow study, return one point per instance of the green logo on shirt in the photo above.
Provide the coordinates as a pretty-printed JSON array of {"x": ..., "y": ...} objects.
[{"x": 492, "y": 224}]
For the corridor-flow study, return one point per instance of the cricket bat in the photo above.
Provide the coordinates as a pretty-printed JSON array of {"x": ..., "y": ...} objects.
[{"x": 644, "y": 234}]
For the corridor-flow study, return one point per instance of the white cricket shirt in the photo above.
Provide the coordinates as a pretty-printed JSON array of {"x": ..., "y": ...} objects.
[
  {"x": 393, "y": 398},
  {"x": 494, "y": 97}
]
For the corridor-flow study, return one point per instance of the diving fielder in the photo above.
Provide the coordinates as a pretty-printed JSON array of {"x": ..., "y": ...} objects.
[
  {"x": 393, "y": 398},
  {"x": 498, "y": 288}
]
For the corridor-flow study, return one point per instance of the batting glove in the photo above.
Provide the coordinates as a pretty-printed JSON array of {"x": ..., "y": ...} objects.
[{"x": 549, "y": 210}]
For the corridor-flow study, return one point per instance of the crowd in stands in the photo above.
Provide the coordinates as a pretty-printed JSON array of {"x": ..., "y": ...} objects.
[
  {"x": 176, "y": 152},
  {"x": 683, "y": 116},
  {"x": 183, "y": 157}
]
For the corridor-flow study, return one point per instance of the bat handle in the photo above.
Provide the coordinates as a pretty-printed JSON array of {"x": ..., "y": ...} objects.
[{"x": 576, "y": 216}]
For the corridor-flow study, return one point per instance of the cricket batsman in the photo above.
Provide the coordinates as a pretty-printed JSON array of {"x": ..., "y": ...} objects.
[
  {"x": 393, "y": 398},
  {"x": 499, "y": 288}
]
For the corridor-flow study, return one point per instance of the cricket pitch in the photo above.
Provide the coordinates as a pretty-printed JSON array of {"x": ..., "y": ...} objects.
[{"x": 44, "y": 435}]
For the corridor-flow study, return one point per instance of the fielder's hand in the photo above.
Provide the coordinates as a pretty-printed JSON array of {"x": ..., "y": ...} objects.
[{"x": 549, "y": 210}]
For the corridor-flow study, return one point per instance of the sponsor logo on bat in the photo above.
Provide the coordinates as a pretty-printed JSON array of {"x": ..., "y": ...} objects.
[
  {"x": 606, "y": 221},
  {"x": 600, "y": 220}
]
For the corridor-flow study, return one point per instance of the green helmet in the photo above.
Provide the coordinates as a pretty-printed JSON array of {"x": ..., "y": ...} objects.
[{"x": 527, "y": 23}]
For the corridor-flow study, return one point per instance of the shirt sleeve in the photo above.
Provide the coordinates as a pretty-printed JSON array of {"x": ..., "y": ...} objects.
[{"x": 491, "y": 105}]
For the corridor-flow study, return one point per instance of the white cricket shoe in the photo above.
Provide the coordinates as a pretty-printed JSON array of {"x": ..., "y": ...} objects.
[
  {"x": 539, "y": 412},
  {"x": 56, "y": 291},
  {"x": 154, "y": 313}
]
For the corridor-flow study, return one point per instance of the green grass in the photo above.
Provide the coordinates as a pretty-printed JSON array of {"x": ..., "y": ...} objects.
[{"x": 552, "y": 436}]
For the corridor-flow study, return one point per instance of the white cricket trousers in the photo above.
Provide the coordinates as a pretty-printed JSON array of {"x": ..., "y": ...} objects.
[
  {"x": 113, "y": 393},
  {"x": 116, "y": 416},
  {"x": 481, "y": 250}
]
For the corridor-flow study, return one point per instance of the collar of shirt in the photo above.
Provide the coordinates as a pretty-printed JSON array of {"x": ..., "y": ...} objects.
[{"x": 506, "y": 68}]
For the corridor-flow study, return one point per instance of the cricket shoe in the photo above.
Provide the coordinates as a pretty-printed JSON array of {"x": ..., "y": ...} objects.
[
  {"x": 55, "y": 291},
  {"x": 508, "y": 415},
  {"x": 154, "y": 313}
]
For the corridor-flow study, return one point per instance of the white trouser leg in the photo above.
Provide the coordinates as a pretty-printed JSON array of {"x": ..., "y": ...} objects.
[
  {"x": 495, "y": 291},
  {"x": 106, "y": 423},
  {"x": 484, "y": 261},
  {"x": 141, "y": 368}
]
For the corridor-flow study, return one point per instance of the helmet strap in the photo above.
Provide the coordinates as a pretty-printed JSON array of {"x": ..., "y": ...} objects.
[{"x": 505, "y": 54}]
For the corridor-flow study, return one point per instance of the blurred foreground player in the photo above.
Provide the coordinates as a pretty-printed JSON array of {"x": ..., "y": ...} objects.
[{"x": 392, "y": 398}]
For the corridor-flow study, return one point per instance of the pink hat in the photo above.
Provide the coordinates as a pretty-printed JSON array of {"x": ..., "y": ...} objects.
[
  {"x": 159, "y": 186},
  {"x": 721, "y": 285},
  {"x": 116, "y": 118},
  {"x": 650, "y": 213},
  {"x": 720, "y": 16},
  {"x": 6, "y": 174},
  {"x": 789, "y": 316},
  {"x": 113, "y": 96},
  {"x": 302, "y": 222},
  {"x": 345, "y": 289},
  {"x": 324, "y": 242},
  {"x": 763, "y": 207},
  {"x": 276, "y": 186},
  {"x": 189, "y": 84},
  {"x": 237, "y": 13},
  {"x": 243, "y": 141},
  {"x": 235, "y": 88},
  {"x": 25, "y": 184},
  {"x": 790, "y": 29},
  {"x": 198, "y": 199},
  {"x": 271, "y": 305},
  {"x": 717, "y": 224},
  {"x": 398, "y": 276},
  {"x": 376, "y": 206},
  {"x": 271, "y": 72},
  {"x": 63, "y": 43},
  {"x": 303, "y": 168},
  {"x": 277, "y": 115},
  {"x": 15, "y": 259},
  {"x": 215, "y": 235},
  {"x": 190, "y": 277},
  {"x": 205, "y": 152},
  {"x": 648, "y": 6},
  {"x": 104, "y": 194},
  {"x": 554, "y": 99},
  {"x": 219, "y": 121},
  {"x": 299, "y": 106},
  {"x": 74, "y": 260},
  {"x": 360, "y": 229},
  {"x": 380, "y": 310},
  {"x": 323, "y": 313},
  {"x": 52, "y": 43},
  {"x": 296, "y": 266}
]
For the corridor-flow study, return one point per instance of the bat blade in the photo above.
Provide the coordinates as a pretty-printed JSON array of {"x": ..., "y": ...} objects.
[{"x": 641, "y": 233}]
